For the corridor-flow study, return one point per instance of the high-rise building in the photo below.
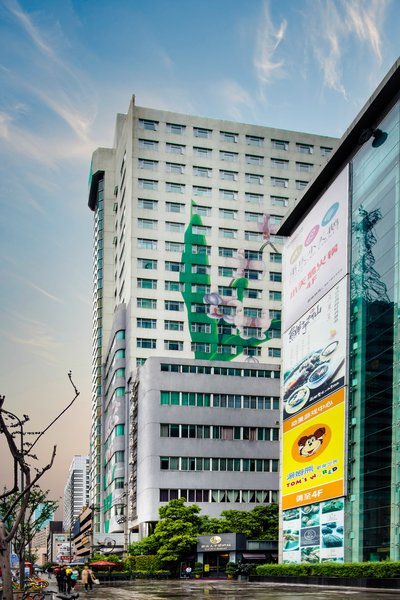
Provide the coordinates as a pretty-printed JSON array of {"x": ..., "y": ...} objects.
[
  {"x": 76, "y": 490},
  {"x": 341, "y": 435},
  {"x": 187, "y": 272}
]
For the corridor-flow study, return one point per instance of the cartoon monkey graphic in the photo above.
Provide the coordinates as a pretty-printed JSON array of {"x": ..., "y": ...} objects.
[{"x": 309, "y": 444}]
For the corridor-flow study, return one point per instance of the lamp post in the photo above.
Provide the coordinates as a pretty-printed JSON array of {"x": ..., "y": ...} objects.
[{"x": 20, "y": 424}]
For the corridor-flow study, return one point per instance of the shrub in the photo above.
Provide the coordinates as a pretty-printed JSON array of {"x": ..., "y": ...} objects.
[{"x": 377, "y": 570}]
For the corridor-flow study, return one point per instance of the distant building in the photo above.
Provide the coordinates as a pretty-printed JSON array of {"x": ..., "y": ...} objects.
[{"x": 76, "y": 490}]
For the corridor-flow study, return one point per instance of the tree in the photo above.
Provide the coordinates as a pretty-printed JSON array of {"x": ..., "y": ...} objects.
[
  {"x": 21, "y": 487},
  {"x": 260, "y": 523},
  {"x": 177, "y": 531},
  {"x": 39, "y": 510}
]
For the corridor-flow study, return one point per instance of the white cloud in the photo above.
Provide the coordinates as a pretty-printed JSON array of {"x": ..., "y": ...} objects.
[
  {"x": 268, "y": 38},
  {"x": 235, "y": 97},
  {"x": 365, "y": 20}
]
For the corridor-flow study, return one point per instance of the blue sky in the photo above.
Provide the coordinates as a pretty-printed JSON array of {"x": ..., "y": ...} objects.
[{"x": 66, "y": 68}]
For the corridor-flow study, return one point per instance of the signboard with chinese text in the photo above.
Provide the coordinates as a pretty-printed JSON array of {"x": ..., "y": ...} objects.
[{"x": 316, "y": 253}]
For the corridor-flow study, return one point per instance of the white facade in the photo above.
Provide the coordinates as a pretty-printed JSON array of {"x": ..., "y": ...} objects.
[
  {"x": 76, "y": 490},
  {"x": 186, "y": 263}
]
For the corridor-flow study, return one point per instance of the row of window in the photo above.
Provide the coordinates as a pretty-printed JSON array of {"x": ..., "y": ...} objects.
[
  {"x": 176, "y": 286},
  {"x": 151, "y": 264},
  {"x": 228, "y": 371},
  {"x": 179, "y": 188},
  {"x": 188, "y": 463},
  {"x": 205, "y": 328},
  {"x": 203, "y": 347},
  {"x": 249, "y": 236},
  {"x": 205, "y": 211},
  {"x": 242, "y": 496},
  {"x": 205, "y": 192},
  {"x": 224, "y": 174},
  {"x": 219, "y": 432},
  {"x": 219, "y": 400},
  {"x": 229, "y": 136}
]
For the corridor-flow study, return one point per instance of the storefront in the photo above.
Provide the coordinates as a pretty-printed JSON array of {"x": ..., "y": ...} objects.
[{"x": 216, "y": 551}]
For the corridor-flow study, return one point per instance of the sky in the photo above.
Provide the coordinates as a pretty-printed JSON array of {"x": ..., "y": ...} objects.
[{"x": 66, "y": 68}]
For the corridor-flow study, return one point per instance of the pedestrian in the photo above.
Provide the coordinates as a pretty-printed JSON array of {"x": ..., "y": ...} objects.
[
  {"x": 188, "y": 571},
  {"x": 74, "y": 577},
  {"x": 88, "y": 577},
  {"x": 68, "y": 581},
  {"x": 61, "y": 580}
]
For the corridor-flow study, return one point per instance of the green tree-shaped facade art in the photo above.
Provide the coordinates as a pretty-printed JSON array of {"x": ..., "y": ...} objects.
[{"x": 219, "y": 312}]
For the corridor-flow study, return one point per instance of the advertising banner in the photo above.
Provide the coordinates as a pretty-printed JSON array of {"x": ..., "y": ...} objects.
[
  {"x": 316, "y": 253},
  {"x": 314, "y": 533},
  {"x": 314, "y": 353}
]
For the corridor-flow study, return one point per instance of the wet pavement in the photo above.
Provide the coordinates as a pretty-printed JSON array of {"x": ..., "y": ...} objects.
[{"x": 202, "y": 589}]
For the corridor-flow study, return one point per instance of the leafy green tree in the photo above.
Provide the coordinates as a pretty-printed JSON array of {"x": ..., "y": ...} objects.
[
  {"x": 260, "y": 523},
  {"x": 177, "y": 531},
  {"x": 148, "y": 545}
]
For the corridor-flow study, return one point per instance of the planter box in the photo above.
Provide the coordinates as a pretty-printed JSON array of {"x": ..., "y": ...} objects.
[{"x": 367, "y": 582}]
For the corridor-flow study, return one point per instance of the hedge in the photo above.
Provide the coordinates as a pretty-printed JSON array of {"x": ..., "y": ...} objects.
[
  {"x": 377, "y": 570},
  {"x": 143, "y": 562}
]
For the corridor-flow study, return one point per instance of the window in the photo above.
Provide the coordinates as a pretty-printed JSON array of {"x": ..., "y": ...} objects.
[
  {"x": 174, "y": 207},
  {"x": 252, "y": 274},
  {"x": 227, "y": 233},
  {"x": 206, "y": 152},
  {"x": 279, "y": 201},
  {"x": 175, "y": 267},
  {"x": 254, "y": 159},
  {"x": 275, "y": 314},
  {"x": 200, "y": 288},
  {"x": 146, "y": 303},
  {"x": 251, "y": 178},
  {"x": 200, "y": 328},
  {"x": 175, "y": 128},
  {"x": 146, "y": 263},
  {"x": 147, "y": 224},
  {"x": 229, "y": 156},
  {"x": 254, "y": 140},
  {"x": 275, "y": 295},
  {"x": 200, "y": 347},
  {"x": 252, "y": 312},
  {"x": 178, "y": 188},
  {"x": 149, "y": 125},
  {"x": 200, "y": 249},
  {"x": 275, "y": 276},
  {"x": 199, "y": 190},
  {"x": 147, "y": 284},
  {"x": 173, "y": 325},
  {"x": 175, "y": 345},
  {"x": 228, "y": 175},
  {"x": 201, "y": 230},
  {"x": 255, "y": 217},
  {"x": 325, "y": 151},
  {"x": 225, "y": 213},
  {"x": 305, "y": 148},
  {"x": 203, "y": 211},
  {"x": 198, "y": 308},
  {"x": 175, "y": 168},
  {"x": 274, "y": 352},
  {"x": 304, "y": 167},
  {"x": 145, "y": 163},
  {"x": 225, "y": 290},
  {"x": 146, "y": 323},
  {"x": 147, "y": 244},
  {"x": 279, "y": 182},
  {"x": 147, "y": 204},
  {"x": 227, "y": 136},
  {"x": 279, "y": 163},
  {"x": 200, "y": 132},
  {"x": 225, "y": 271},
  {"x": 174, "y": 286},
  {"x": 253, "y": 254},
  {"x": 252, "y": 332},
  {"x": 228, "y": 194},
  {"x": 202, "y": 171},
  {"x": 175, "y": 148},
  {"x": 148, "y": 144},
  {"x": 275, "y": 257},
  {"x": 174, "y": 246},
  {"x": 279, "y": 145},
  {"x": 300, "y": 185},
  {"x": 227, "y": 252},
  {"x": 254, "y": 198},
  {"x": 174, "y": 227},
  {"x": 253, "y": 236},
  {"x": 252, "y": 293},
  {"x": 226, "y": 349},
  {"x": 148, "y": 184},
  {"x": 146, "y": 343},
  {"x": 173, "y": 305},
  {"x": 201, "y": 269}
]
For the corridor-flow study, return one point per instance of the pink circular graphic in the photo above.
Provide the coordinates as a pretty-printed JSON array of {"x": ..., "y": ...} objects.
[{"x": 312, "y": 235}]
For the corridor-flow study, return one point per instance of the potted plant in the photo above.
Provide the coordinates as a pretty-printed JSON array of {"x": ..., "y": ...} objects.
[
  {"x": 243, "y": 570},
  {"x": 230, "y": 570},
  {"x": 198, "y": 570}
]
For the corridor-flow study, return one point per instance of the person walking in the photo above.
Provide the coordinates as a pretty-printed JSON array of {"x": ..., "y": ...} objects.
[
  {"x": 88, "y": 577},
  {"x": 68, "y": 580}
]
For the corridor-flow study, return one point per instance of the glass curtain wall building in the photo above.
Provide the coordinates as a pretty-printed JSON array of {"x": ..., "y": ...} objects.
[{"x": 370, "y": 154}]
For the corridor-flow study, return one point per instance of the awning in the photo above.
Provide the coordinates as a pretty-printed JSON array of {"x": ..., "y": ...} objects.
[{"x": 253, "y": 556}]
